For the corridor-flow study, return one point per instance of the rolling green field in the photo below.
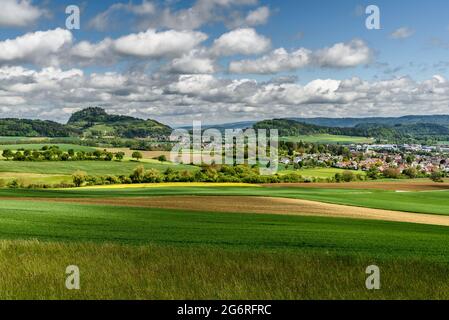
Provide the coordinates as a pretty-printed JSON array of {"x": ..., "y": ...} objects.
[
  {"x": 140, "y": 253},
  {"x": 47, "y": 221},
  {"x": 328, "y": 138},
  {"x": 14, "y": 139},
  {"x": 145, "y": 253},
  {"x": 38, "y": 146},
  {"x": 433, "y": 202},
  {"x": 319, "y": 172},
  {"x": 91, "y": 167}
]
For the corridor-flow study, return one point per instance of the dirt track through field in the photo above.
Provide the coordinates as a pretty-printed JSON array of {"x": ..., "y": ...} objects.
[{"x": 259, "y": 205}]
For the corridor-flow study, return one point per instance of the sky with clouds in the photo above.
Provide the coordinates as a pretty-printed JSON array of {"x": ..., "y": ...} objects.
[{"x": 224, "y": 60}]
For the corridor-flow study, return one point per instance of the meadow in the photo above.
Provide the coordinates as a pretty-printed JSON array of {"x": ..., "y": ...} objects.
[
  {"x": 143, "y": 253},
  {"x": 328, "y": 138},
  {"x": 322, "y": 173},
  {"x": 38, "y": 146},
  {"x": 130, "y": 252},
  {"x": 90, "y": 167},
  {"x": 35, "y": 270},
  {"x": 431, "y": 202}
]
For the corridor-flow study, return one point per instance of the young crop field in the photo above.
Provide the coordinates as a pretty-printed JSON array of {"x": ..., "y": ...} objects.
[
  {"x": 224, "y": 241},
  {"x": 18, "y": 139},
  {"x": 322, "y": 173},
  {"x": 328, "y": 138},
  {"x": 90, "y": 167},
  {"x": 429, "y": 202},
  {"x": 35, "y": 178},
  {"x": 150, "y": 253}
]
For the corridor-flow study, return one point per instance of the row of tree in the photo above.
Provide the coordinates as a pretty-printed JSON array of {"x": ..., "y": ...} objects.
[
  {"x": 54, "y": 153},
  {"x": 241, "y": 173}
]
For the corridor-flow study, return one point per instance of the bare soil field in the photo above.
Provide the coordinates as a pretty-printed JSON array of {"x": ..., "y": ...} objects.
[
  {"x": 390, "y": 185},
  {"x": 259, "y": 205}
]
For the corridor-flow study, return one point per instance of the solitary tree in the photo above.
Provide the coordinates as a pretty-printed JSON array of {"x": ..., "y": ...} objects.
[
  {"x": 162, "y": 158},
  {"x": 79, "y": 177},
  {"x": 119, "y": 156},
  {"x": 137, "y": 155},
  {"x": 7, "y": 154}
]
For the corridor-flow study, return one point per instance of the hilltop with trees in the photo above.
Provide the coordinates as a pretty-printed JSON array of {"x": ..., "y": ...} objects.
[{"x": 89, "y": 122}]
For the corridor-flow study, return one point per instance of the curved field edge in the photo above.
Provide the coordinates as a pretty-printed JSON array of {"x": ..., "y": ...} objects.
[
  {"x": 65, "y": 222},
  {"x": 430, "y": 202},
  {"x": 156, "y": 272}
]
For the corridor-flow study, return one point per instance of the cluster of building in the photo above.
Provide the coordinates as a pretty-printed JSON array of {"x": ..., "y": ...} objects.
[{"x": 425, "y": 159}]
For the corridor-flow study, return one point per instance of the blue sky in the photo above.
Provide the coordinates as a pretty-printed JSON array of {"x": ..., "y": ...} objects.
[{"x": 228, "y": 60}]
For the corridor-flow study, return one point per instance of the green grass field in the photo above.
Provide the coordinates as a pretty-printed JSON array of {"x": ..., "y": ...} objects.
[
  {"x": 91, "y": 167},
  {"x": 47, "y": 221},
  {"x": 13, "y": 139},
  {"x": 328, "y": 138},
  {"x": 143, "y": 253},
  {"x": 139, "y": 253},
  {"x": 433, "y": 202},
  {"x": 322, "y": 173},
  {"x": 35, "y": 270},
  {"x": 38, "y": 146}
]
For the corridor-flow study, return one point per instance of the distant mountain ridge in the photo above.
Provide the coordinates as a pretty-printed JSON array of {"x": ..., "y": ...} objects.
[
  {"x": 353, "y": 122},
  {"x": 409, "y": 132},
  {"x": 346, "y": 122}
]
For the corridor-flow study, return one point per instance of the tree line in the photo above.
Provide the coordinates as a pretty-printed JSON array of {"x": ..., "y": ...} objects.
[{"x": 54, "y": 153}]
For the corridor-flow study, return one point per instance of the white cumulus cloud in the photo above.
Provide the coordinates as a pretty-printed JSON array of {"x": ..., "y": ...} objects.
[
  {"x": 344, "y": 55},
  {"x": 18, "y": 13},
  {"x": 158, "y": 44},
  {"x": 37, "y": 47},
  {"x": 277, "y": 61},
  {"x": 244, "y": 41}
]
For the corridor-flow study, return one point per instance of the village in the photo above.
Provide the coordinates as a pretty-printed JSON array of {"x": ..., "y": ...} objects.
[{"x": 423, "y": 159}]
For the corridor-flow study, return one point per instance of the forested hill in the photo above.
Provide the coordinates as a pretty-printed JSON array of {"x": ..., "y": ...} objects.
[
  {"x": 35, "y": 128},
  {"x": 400, "y": 133},
  {"x": 98, "y": 122},
  {"x": 388, "y": 121},
  {"x": 87, "y": 122}
]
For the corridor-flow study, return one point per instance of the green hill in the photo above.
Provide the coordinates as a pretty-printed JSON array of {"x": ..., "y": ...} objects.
[
  {"x": 97, "y": 122},
  {"x": 90, "y": 121},
  {"x": 399, "y": 133}
]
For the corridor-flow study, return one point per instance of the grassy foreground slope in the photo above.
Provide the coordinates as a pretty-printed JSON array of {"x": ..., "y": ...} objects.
[
  {"x": 35, "y": 270},
  {"x": 136, "y": 253},
  {"x": 137, "y": 226}
]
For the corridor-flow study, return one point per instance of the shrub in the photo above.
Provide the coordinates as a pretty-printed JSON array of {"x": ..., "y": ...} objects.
[
  {"x": 13, "y": 184},
  {"x": 391, "y": 173},
  {"x": 138, "y": 174},
  {"x": 437, "y": 176},
  {"x": 79, "y": 177},
  {"x": 152, "y": 176},
  {"x": 348, "y": 176},
  {"x": 411, "y": 173}
]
